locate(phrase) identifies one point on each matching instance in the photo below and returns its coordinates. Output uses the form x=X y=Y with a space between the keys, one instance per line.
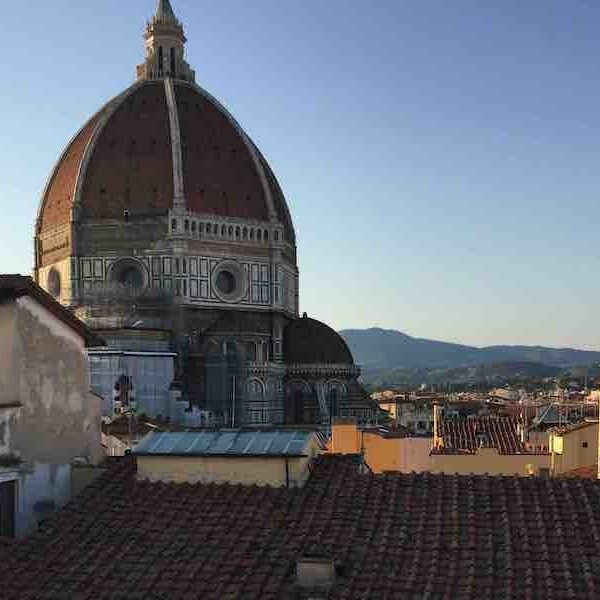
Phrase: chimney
x=437 y=426
x=315 y=573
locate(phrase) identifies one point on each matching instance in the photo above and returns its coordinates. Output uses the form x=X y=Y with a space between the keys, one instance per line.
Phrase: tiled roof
x=122 y=160
x=469 y=434
x=392 y=536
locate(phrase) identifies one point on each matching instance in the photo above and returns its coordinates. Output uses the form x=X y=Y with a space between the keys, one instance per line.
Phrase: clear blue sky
x=441 y=159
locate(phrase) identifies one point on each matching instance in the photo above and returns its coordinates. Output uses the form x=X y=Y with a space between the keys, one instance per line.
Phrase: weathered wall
x=59 y=418
x=245 y=471
x=9 y=383
x=488 y=461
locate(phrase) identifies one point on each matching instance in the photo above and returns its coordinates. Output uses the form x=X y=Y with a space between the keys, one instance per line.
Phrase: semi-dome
x=156 y=137
x=308 y=341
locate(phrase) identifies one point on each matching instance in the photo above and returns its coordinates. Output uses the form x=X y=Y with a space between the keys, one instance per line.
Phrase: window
x=54 y=282
x=584 y=444
x=174 y=224
x=8 y=501
x=173 y=62
x=161 y=58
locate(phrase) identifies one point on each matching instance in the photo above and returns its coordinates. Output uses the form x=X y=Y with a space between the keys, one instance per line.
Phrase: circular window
x=226 y=282
x=131 y=277
x=229 y=282
x=54 y=283
x=129 y=273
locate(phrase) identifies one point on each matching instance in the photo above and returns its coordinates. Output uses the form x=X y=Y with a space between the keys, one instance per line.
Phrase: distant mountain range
x=388 y=349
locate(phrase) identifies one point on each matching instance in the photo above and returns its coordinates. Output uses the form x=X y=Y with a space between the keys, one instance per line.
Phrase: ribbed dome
x=123 y=159
x=308 y=341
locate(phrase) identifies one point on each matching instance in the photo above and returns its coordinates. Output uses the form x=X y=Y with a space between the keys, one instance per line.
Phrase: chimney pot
x=315 y=572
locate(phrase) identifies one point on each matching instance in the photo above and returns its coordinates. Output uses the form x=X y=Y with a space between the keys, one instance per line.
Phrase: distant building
x=384 y=448
x=491 y=444
x=48 y=416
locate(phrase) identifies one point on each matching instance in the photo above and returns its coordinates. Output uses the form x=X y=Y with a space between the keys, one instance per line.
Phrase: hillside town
x=172 y=426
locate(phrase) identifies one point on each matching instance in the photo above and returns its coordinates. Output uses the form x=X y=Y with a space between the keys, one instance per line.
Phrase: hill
x=389 y=349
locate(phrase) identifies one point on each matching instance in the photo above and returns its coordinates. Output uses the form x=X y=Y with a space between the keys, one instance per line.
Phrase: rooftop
x=225 y=443
x=451 y=537
x=468 y=435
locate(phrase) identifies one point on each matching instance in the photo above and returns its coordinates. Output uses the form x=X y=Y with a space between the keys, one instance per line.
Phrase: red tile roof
x=469 y=434
x=392 y=536
x=122 y=160
x=587 y=472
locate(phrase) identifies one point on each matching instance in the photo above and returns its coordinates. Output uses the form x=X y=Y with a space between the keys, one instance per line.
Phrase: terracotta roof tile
x=392 y=536
x=470 y=433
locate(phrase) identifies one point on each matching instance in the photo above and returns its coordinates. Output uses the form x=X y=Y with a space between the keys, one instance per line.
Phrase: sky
x=440 y=158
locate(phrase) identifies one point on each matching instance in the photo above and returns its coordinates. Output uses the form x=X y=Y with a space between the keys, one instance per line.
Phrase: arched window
x=216 y=229
x=161 y=61
x=335 y=396
x=277 y=236
x=173 y=62
x=193 y=226
x=266 y=235
x=244 y=234
x=230 y=232
x=223 y=230
x=259 y=235
x=251 y=234
x=237 y=233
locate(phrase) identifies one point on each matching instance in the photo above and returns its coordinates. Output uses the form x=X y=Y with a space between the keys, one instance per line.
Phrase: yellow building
x=575 y=450
x=478 y=445
x=273 y=458
x=383 y=449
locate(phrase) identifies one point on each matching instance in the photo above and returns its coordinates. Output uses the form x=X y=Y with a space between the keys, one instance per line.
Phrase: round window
x=131 y=277
x=226 y=282
x=54 y=283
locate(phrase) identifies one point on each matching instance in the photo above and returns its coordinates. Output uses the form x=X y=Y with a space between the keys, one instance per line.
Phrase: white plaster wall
x=55 y=326
x=59 y=419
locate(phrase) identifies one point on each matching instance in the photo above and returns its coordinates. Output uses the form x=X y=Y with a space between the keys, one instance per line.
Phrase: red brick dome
x=132 y=154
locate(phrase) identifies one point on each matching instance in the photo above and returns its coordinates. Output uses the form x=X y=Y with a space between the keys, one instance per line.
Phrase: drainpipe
x=287 y=472
x=599 y=436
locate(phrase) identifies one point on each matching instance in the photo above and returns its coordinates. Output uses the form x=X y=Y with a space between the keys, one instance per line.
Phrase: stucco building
x=163 y=227
x=48 y=416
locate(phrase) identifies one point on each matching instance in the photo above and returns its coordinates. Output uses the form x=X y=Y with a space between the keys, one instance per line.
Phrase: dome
x=159 y=142
x=308 y=341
